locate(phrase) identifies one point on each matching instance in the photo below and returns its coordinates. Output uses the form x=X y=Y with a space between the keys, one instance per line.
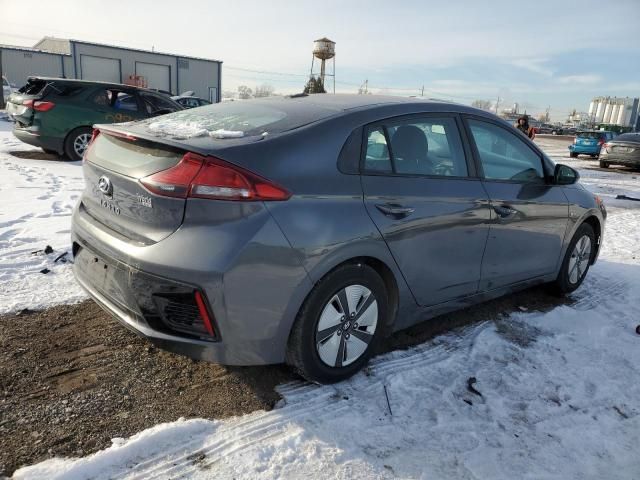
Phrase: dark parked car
x=57 y=114
x=307 y=228
x=622 y=150
x=589 y=143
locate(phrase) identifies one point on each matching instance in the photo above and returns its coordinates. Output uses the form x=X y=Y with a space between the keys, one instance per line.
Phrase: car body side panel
x=251 y=298
x=582 y=206
x=527 y=243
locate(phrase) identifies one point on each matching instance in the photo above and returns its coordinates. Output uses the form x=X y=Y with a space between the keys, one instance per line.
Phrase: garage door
x=99 y=68
x=157 y=76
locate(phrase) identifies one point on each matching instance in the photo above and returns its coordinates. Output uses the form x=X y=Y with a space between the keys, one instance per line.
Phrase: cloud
x=535 y=65
x=588 y=79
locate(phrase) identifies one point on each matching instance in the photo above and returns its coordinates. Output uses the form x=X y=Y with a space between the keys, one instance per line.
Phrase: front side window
x=154 y=103
x=422 y=146
x=503 y=155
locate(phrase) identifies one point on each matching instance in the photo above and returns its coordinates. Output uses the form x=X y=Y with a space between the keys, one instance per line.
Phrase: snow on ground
x=560 y=391
x=36 y=201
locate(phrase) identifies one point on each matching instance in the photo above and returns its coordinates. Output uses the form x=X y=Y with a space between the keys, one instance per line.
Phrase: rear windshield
x=57 y=88
x=235 y=120
x=131 y=158
x=628 y=137
x=33 y=87
x=590 y=135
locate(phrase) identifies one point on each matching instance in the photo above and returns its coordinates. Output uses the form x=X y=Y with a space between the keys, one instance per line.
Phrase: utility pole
x=497 y=103
x=422 y=91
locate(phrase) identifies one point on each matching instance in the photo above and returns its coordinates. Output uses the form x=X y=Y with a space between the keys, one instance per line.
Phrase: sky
x=541 y=54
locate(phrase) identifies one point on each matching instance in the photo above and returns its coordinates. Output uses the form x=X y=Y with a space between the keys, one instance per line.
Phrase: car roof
x=90 y=82
x=344 y=103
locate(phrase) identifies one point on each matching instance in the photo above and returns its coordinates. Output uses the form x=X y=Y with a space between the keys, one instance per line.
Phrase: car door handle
x=395 y=210
x=504 y=211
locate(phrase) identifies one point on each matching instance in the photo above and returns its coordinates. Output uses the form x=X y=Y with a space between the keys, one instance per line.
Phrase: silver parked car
x=622 y=150
x=305 y=229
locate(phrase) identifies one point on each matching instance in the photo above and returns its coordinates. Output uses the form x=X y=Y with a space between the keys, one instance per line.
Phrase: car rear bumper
x=251 y=323
x=630 y=160
x=586 y=150
x=32 y=137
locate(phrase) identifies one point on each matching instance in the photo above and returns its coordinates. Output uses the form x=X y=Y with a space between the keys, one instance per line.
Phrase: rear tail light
x=43 y=106
x=94 y=135
x=196 y=176
x=601 y=141
x=39 y=105
x=204 y=313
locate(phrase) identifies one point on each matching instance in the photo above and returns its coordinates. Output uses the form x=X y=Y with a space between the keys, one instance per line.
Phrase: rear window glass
x=629 y=137
x=590 y=135
x=235 y=120
x=33 y=87
x=133 y=159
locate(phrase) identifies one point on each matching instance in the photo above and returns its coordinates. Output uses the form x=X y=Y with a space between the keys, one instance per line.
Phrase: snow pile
x=177 y=128
x=221 y=133
x=37 y=198
x=557 y=397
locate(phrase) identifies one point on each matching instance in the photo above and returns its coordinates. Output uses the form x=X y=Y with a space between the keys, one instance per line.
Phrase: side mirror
x=565 y=175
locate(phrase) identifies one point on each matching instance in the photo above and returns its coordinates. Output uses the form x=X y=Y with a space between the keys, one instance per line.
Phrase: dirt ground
x=72 y=378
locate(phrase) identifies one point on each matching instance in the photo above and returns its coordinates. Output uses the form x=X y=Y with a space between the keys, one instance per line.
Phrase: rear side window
x=503 y=155
x=377 y=158
x=116 y=100
x=422 y=146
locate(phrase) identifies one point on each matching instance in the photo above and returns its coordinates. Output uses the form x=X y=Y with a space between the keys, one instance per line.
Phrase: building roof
x=71 y=41
x=31 y=49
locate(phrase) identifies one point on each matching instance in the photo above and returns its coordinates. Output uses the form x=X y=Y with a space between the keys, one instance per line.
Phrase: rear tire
x=573 y=155
x=604 y=164
x=328 y=342
x=77 y=142
x=577 y=260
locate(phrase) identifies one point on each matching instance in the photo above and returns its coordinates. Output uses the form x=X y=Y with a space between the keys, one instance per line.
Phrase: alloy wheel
x=579 y=261
x=346 y=326
x=81 y=143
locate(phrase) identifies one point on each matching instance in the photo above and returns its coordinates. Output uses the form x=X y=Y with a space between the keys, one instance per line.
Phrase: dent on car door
x=420 y=192
x=529 y=214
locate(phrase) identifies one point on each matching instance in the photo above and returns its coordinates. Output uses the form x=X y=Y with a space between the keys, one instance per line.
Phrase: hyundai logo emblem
x=104 y=185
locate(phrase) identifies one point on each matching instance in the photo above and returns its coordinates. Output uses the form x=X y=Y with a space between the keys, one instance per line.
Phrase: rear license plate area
x=104 y=275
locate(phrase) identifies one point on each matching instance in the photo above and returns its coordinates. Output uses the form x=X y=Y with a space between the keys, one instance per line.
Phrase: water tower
x=324 y=49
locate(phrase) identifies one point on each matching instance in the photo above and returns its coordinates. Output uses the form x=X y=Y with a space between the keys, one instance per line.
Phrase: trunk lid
x=114 y=196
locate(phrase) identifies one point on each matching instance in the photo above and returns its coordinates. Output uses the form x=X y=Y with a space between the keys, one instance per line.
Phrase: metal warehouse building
x=57 y=57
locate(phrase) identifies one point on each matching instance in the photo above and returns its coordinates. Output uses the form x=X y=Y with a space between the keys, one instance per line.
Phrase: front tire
x=77 y=142
x=340 y=325
x=576 y=261
x=604 y=164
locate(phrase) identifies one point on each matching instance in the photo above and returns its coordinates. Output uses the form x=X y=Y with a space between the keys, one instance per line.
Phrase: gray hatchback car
x=305 y=229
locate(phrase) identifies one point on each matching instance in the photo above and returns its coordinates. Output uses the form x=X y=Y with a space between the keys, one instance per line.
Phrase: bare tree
x=244 y=92
x=264 y=90
x=482 y=104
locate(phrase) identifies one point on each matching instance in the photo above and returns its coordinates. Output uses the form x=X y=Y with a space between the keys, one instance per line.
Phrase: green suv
x=57 y=114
